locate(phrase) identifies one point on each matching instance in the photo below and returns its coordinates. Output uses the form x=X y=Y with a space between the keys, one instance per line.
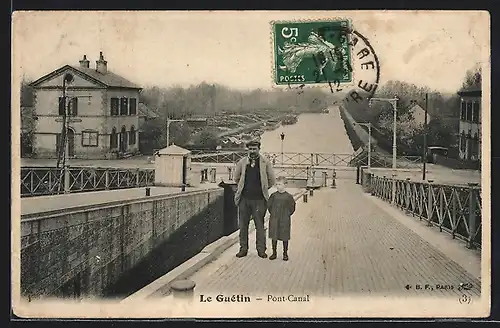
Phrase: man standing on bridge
x=254 y=176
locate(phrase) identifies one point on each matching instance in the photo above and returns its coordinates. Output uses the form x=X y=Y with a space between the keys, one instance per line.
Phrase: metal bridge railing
x=311 y=159
x=38 y=181
x=293 y=172
x=385 y=161
x=452 y=208
x=218 y=157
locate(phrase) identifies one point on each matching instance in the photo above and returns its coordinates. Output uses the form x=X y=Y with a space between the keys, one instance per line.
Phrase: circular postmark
x=366 y=71
x=326 y=53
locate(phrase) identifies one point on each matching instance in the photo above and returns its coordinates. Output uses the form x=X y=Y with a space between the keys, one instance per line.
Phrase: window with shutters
x=90 y=138
x=124 y=106
x=463 y=110
x=475 y=112
x=133 y=106
x=61 y=106
x=469 y=111
x=114 y=106
x=132 y=134
x=73 y=106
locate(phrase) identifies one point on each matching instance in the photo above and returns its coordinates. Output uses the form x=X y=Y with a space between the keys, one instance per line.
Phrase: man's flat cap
x=253 y=143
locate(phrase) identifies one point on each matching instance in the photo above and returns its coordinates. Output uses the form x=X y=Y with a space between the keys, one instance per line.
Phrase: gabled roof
x=173 y=150
x=109 y=79
x=416 y=107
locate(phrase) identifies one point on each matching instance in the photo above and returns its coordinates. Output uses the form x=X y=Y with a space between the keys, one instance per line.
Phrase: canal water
x=313 y=133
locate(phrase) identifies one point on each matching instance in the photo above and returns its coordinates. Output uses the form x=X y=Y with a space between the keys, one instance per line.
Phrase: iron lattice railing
x=293 y=172
x=451 y=208
x=385 y=161
x=38 y=181
x=218 y=157
x=310 y=159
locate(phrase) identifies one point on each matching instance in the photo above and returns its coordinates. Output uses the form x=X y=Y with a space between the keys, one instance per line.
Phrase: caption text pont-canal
x=239 y=298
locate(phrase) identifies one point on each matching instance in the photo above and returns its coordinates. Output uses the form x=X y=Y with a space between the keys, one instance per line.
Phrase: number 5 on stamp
x=312 y=52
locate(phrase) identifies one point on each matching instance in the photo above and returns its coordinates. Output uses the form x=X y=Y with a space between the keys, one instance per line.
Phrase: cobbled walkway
x=342 y=243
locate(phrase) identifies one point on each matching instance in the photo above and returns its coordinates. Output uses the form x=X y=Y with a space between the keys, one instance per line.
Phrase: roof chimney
x=101 y=64
x=84 y=62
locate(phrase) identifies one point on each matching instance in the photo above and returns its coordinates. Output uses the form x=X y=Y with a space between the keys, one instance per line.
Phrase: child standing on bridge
x=281 y=206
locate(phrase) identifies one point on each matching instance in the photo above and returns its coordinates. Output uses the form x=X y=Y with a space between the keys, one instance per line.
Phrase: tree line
x=212 y=99
x=443 y=110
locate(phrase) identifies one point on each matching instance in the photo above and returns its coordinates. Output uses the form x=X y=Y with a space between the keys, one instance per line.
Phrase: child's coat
x=281 y=206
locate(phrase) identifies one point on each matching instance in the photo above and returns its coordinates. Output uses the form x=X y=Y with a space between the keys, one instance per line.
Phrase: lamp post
x=424 y=151
x=68 y=78
x=282 y=136
x=168 y=129
x=369 y=125
x=394 y=104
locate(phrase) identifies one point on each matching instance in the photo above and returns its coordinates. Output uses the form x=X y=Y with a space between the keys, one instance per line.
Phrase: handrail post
x=213 y=175
x=472 y=216
x=384 y=188
x=406 y=198
x=96 y=181
x=373 y=185
x=453 y=214
x=441 y=212
x=106 y=179
x=430 y=203
x=66 y=179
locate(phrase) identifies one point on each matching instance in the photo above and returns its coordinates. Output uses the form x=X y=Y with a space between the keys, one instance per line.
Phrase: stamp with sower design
x=312 y=52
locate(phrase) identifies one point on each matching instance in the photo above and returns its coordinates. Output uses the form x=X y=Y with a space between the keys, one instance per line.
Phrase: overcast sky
x=234 y=48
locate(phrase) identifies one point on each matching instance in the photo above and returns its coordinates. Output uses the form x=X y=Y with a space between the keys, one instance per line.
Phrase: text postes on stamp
x=312 y=52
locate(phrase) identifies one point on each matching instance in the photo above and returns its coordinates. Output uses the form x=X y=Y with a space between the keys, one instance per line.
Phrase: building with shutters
x=470 y=124
x=103 y=112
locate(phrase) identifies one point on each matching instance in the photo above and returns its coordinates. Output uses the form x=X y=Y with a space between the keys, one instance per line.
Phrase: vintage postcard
x=245 y=164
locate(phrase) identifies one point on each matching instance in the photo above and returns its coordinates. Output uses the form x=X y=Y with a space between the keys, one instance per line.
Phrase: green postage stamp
x=312 y=52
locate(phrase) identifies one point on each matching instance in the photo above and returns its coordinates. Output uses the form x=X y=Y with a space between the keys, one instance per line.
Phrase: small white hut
x=172 y=166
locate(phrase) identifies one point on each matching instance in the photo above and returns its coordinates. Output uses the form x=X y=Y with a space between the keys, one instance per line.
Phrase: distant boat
x=326 y=111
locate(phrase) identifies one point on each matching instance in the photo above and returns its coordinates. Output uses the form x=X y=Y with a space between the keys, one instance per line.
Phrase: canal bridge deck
x=339 y=247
